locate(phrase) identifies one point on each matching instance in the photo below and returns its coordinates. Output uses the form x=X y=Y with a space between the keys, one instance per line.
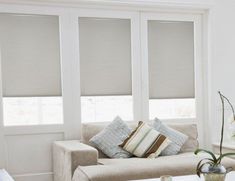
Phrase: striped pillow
x=145 y=142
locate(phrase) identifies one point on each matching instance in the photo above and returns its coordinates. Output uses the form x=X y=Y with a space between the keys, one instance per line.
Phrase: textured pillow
x=177 y=138
x=145 y=141
x=110 y=137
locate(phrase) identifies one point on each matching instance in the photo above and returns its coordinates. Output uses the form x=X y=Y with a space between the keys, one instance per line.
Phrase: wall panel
x=29 y=154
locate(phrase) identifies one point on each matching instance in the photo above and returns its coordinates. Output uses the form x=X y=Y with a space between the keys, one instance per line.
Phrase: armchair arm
x=68 y=155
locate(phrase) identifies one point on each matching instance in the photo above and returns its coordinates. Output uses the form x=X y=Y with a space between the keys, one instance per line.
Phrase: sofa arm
x=68 y=155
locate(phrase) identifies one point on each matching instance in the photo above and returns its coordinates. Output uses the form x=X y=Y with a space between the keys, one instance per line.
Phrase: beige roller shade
x=105 y=56
x=171 y=59
x=30 y=55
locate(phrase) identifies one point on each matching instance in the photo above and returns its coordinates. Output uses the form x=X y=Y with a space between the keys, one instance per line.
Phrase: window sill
x=33 y=129
x=226 y=145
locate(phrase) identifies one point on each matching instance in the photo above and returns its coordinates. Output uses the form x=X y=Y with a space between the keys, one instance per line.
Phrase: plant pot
x=214 y=176
x=214 y=172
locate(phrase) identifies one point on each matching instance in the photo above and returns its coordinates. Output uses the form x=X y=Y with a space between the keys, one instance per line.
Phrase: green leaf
x=200 y=165
x=206 y=151
x=199 y=169
x=224 y=155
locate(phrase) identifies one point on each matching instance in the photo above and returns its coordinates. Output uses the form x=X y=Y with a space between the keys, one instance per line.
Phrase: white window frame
x=135 y=49
x=198 y=65
x=69 y=68
x=70 y=71
x=69 y=45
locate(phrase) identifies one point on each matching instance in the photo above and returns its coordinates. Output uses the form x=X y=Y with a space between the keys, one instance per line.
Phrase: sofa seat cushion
x=148 y=161
x=141 y=168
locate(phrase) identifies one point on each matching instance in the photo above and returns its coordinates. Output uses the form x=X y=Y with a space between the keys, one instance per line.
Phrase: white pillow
x=177 y=138
x=110 y=137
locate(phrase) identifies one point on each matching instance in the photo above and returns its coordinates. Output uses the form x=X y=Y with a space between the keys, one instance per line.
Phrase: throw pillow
x=110 y=137
x=145 y=141
x=177 y=138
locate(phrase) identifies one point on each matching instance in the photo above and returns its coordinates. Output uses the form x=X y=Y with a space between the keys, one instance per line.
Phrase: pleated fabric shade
x=105 y=56
x=30 y=55
x=171 y=59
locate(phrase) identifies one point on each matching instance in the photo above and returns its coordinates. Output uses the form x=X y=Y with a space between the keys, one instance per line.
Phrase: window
x=171 y=69
x=104 y=108
x=32 y=110
x=171 y=108
x=31 y=80
x=105 y=56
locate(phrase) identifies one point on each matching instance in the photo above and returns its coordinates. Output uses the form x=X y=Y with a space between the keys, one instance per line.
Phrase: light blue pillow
x=177 y=138
x=109 y=139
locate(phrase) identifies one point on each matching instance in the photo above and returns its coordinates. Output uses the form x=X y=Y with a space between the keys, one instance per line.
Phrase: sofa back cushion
x=91 y=129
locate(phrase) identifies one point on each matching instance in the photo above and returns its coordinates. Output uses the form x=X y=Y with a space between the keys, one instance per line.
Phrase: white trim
x=28 y=175
x=1 y=92
x=70 y=75
x=170 y=16
x=180 y=121
x=208 y=46
x=32 y=174
x=140 y=5
x=103 y=13
x=27 y=9
x=29 y=130
x=144 y=58
x=136 y=67
x=199 y=78
x=3 y=157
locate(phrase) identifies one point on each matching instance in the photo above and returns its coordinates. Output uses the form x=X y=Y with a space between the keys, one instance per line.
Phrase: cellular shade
x=171 y=59
x=105 y=56
x=30 y=55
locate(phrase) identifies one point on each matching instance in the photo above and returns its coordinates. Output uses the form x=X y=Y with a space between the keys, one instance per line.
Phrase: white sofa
x=80 y=161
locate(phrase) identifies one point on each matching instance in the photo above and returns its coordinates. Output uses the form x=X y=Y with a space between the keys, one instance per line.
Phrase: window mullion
x=144 y=65
x=136 y=67
x=70 y=75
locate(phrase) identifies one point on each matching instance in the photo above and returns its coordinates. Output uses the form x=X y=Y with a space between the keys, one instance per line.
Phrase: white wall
x=222 y=59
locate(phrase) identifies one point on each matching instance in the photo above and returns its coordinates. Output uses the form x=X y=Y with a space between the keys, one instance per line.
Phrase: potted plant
x=211 y=167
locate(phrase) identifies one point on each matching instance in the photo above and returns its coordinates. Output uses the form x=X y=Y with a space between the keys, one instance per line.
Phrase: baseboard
x=34 y=177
